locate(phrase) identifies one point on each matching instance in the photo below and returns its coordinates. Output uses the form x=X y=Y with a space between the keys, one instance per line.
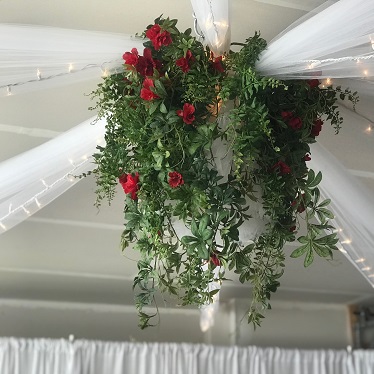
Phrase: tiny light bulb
x=369 y=129
x=360 y=260
x=8 y=91
x=70 y=68
x=39 y=74
x=348 y=241
x=366 y=72
x=328 y=81
x=367 y=268
x=25 y=210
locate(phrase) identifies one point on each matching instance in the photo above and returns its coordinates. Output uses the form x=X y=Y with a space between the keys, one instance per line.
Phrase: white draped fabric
x=21 y=356
x=33 y=179
x=333 y=41
x=213 y=21
x=34 y=57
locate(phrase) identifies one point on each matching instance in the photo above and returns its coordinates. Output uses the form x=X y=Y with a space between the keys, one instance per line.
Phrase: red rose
x=307 y=157
x=317 y=127
x=146 y=93
x=217 y=64
x=287 y=115
x=146 y=64
x=187 y=114
x=184 y=62
x=313 y=83
x=295 y=123
x=175 y=179
x=215 y=259
x=158 y=37
x=129 y=184
x=282 y=167
x=131 y=58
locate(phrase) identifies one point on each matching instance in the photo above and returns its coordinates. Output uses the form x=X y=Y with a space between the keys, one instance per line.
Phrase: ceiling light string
x=35 y=199
x=70 y=70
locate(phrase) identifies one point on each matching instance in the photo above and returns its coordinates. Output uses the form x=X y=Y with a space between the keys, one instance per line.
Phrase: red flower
x=175 y=179
x=282 y=167
x=187 y=114
x=131 y=58
x=158 y=37
x=215 y=259
x=307 y=157
x=184 y=62
x=130 y=184
x=313 y=83
x=146 y=64
x=317 y=127
x=217 y=64
x=292 y=228
x=146 y=93
x=287 y=115
x=295 y=123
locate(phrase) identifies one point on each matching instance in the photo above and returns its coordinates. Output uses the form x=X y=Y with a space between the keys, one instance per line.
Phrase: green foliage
x=268 y=154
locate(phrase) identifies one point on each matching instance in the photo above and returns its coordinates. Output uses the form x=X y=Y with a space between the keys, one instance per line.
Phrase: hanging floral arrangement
x=174 y=115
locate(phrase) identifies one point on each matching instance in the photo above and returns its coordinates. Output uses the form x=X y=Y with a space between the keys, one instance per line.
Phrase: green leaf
x=309 y=258
x=300 y=251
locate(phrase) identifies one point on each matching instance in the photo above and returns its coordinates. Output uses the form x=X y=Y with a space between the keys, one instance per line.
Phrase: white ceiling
x=69 y=251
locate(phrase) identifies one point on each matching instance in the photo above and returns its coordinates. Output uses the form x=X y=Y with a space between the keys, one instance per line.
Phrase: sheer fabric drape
x=43 y=356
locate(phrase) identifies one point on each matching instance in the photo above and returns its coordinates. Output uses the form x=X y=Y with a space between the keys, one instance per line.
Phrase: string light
x=369 y=129
x=328 y=81
x=360 y=260
x=70 y=70
x=367 y=268
x=68 y=176
x=348 y=241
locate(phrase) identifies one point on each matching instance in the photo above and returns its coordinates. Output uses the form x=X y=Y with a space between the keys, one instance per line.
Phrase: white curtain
x=43 y=356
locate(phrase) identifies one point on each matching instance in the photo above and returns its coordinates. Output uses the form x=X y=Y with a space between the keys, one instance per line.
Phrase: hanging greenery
x=167 y=113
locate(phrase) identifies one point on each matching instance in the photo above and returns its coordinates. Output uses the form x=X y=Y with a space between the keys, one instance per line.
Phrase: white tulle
x=331 y=42
x=213 y=21
x=34 y=57
x=33 y=179
x=353 y=207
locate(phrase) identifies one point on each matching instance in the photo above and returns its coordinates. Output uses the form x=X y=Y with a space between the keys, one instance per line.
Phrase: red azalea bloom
x=187 y=114
x=215 y=260
x=282 y=167
x=131 y=58
x=175 y=179
x=313 y=83
x=295 y=123
x=217 y=64
x=146 y=93
x=158 y=37
x=146 y=64
x=184 y=62
x=307 y=157
x=130 y=184
x=317 y=127
x=287 y=115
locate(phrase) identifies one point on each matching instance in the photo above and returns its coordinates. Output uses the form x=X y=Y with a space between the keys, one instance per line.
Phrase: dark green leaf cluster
x=185 y=228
